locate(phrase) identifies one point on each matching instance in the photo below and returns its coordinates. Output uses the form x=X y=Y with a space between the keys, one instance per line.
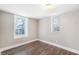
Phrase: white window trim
x=26 y=28
x=51 y=24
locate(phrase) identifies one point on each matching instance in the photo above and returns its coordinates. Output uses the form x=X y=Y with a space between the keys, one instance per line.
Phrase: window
x=55 y=22
x=21 y=26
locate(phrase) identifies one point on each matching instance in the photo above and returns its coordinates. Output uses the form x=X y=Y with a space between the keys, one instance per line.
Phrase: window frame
x=25 y=27
x=55 y=19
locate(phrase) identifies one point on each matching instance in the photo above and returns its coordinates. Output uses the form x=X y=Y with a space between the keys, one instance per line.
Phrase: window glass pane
x=20 y=25
x=56 y=24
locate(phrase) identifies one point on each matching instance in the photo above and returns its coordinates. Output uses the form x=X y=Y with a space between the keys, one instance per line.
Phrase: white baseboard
x=60 y=46
x=17 y=45
x=57 y=45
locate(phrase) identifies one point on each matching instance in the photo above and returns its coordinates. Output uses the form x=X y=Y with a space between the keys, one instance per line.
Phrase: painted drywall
x=7 y=30
x=68 y=35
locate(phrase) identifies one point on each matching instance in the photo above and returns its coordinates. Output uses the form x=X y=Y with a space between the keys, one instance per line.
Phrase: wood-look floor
x=37 y=48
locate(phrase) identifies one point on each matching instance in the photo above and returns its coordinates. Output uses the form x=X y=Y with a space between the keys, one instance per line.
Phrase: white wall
x=68 y=35
x=7 y=30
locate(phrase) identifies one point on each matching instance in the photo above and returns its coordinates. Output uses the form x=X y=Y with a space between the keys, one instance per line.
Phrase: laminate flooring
x=37 y=48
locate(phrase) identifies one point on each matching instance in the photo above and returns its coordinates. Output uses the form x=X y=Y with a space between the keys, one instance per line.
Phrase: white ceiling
x=37 y=10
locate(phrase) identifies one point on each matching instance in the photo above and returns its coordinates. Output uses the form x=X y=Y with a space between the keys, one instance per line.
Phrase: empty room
x=39 y=29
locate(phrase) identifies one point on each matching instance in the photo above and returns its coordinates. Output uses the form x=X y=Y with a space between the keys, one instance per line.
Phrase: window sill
x=20 y=36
